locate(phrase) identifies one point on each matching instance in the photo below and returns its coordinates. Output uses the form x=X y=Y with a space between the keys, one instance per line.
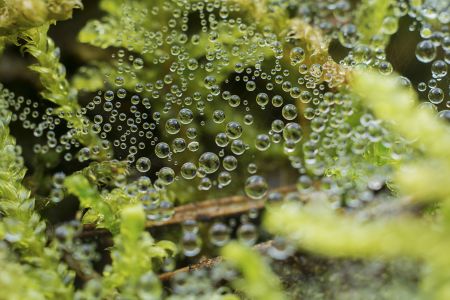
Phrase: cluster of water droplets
x=210 y=100
x=433 y=49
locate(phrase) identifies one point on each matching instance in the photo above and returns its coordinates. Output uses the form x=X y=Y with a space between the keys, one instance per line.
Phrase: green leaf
x=89 y=197
x=258 y=281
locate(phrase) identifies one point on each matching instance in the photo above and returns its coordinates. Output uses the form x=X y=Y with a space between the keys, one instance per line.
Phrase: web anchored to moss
x=294 y=117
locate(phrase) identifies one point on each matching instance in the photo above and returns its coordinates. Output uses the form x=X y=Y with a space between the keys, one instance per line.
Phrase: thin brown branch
x=89 y=230
x=208 y=263
x=211 y=209
x=201 y=211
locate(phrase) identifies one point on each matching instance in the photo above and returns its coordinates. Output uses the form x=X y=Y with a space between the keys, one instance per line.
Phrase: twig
x=202 y=211
x=89 y=230
x=211 y=209
x=208 y=263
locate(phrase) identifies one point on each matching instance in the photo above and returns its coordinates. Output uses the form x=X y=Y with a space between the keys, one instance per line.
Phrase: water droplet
x=256 y=187
x=143 y=164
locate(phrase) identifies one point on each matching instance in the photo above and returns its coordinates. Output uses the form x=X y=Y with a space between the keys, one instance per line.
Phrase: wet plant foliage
x=225 y=149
